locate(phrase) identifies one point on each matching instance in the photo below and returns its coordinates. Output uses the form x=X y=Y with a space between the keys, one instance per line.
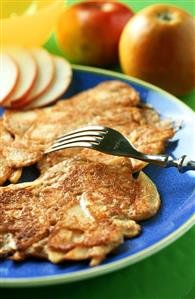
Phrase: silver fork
x=110 y=141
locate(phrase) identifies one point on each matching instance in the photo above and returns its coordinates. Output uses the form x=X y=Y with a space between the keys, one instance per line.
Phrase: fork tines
x=90 y=129
x=83 y=137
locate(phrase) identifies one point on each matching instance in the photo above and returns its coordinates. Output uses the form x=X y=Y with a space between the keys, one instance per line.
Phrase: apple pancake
x=113 y=103
x=5 y=140
x=76 y=210
x=7 y=172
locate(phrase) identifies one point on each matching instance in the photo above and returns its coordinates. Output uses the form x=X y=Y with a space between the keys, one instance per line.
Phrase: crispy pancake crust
x=5 y=141
x=85 y=202
x=113 y=104
x=76 y=210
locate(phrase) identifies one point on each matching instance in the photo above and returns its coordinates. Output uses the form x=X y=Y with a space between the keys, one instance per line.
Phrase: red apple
x=89 y=32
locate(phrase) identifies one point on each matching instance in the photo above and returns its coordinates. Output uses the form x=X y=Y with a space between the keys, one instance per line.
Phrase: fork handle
x=183 y=163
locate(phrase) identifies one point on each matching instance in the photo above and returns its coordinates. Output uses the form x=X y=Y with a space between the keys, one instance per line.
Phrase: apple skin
x=89 y=32
x=158 y=45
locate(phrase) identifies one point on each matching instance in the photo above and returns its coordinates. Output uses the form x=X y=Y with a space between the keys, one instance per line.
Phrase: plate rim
x=124 y=262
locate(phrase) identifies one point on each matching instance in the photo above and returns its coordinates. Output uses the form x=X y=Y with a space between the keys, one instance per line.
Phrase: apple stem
x=164 y=16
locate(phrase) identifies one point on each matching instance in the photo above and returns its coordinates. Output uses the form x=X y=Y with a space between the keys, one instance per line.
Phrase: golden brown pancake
x=85 y=203
x=112 y=103
x=5 y=141
x=76 y=210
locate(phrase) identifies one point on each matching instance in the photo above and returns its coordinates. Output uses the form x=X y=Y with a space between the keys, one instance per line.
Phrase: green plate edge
x=104 y=269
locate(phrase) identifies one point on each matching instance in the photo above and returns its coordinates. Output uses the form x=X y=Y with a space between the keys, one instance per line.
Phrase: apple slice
x=8 y=76
x=60 y=83
x=45 y=76
x=27 y=73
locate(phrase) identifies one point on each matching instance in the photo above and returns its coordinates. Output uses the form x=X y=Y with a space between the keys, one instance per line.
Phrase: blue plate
x=177 y=192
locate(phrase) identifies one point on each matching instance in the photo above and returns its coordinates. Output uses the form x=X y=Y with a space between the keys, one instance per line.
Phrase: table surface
x=169 y=274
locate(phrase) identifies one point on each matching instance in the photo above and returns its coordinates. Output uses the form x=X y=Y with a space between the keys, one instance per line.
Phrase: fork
x=110 y=141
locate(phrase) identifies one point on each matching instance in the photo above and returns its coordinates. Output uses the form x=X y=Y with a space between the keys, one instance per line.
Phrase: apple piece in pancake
x=15 y=176
x=18 y=122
